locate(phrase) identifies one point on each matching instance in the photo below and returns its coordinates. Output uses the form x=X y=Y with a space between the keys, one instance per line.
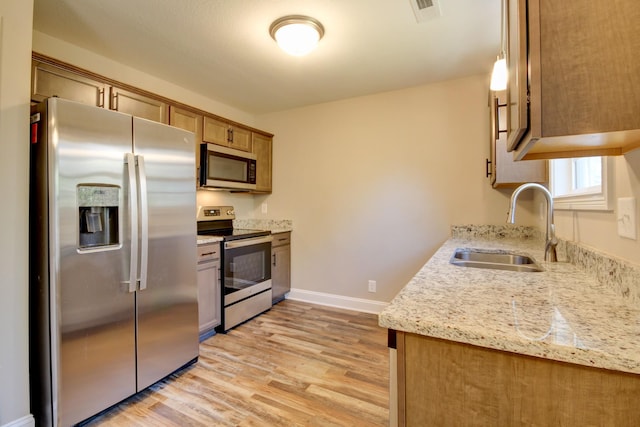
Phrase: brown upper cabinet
x=50 y=77
x=138 y=105
x=223 y=133
x=262 y=148
x=48 y=81
x=573 y=78
x=503 y=171
x=191 y=121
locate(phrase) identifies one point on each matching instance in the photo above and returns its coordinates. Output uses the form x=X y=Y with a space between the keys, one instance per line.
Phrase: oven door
x=247 y=267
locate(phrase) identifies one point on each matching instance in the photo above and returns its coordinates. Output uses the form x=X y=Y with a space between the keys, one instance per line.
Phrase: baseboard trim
x=338 y=301
x=26 y=421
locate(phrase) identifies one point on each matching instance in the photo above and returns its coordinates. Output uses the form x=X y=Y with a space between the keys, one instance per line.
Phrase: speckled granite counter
x=562 y=313
x=273 y=225
x=202 y=240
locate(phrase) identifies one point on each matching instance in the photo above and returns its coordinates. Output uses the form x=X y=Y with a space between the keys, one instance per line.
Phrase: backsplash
x=615 y=273
x=618 y=274
x=494 y=232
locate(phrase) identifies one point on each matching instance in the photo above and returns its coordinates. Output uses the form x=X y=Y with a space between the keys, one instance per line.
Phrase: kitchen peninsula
x=491 y=347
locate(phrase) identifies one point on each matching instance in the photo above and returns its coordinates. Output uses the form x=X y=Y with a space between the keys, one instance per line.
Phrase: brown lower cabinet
x=280 y=265
x=209 y=288
x=445 y=383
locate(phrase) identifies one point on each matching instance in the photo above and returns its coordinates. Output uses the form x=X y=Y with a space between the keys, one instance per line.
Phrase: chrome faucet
x=550 y=239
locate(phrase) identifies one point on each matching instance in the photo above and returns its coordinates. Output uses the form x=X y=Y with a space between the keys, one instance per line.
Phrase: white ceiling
x=222 y=48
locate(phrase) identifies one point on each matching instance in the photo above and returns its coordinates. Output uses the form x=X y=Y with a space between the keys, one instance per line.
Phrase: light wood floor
x=296 y=365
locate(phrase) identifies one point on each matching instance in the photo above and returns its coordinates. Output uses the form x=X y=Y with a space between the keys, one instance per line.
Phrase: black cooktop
x=224 y=229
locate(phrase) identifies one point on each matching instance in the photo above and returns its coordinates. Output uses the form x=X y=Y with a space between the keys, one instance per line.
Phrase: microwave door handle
x=144 y=222
x=133 y=219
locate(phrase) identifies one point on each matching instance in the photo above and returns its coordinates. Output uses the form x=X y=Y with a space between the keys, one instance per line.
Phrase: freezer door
x=91 y=312
x=167 y=301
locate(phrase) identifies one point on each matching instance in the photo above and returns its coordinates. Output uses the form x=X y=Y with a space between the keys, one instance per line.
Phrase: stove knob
x=230 y=212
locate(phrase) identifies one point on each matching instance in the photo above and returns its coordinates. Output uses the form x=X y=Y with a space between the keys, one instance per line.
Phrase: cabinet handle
x=487 y=168
x=274 y=260
x=207 y=253
x=101 y=98
x=114 y=101
x=230 y=135
x=496 y=125
x=496 y=121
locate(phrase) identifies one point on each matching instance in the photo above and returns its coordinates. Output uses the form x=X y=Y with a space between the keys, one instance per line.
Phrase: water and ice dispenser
x=98 y=216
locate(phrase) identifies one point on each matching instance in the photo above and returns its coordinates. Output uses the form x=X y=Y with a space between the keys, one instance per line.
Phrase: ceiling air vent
x=426 y=10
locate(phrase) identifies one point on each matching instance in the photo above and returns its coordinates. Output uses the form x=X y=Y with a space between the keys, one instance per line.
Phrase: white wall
x=408 y=164
x=600 y=229
x=15 y=60
x=373 y=184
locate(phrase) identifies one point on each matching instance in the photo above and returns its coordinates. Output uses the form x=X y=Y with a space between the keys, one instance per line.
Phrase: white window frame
x=599 y=200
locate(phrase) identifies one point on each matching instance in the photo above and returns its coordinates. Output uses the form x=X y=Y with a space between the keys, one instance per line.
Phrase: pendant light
x=296 y=34
x=499 y=75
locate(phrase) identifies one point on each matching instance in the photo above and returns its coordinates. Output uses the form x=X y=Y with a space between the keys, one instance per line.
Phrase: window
x=581 y=183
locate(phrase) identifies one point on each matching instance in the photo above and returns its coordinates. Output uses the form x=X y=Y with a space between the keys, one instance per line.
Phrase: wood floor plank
x=298 y=364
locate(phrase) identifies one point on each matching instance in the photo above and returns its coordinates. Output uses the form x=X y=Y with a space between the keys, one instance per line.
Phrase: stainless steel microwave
x=226 y=168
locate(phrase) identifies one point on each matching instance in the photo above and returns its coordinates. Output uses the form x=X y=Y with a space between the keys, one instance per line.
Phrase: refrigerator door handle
x=133 y=218
x=144 y=222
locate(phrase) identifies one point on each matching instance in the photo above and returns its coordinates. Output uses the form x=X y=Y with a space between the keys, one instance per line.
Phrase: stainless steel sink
x=494 y=259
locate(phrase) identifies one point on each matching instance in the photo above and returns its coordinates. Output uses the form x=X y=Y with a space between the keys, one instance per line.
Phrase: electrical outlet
x=264 y=208
x=372 y=285
x=627 y=217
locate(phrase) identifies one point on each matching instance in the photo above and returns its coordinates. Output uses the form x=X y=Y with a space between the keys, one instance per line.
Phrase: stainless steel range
x=246 y=265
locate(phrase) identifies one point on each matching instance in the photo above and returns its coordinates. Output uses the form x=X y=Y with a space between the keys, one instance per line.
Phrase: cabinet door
x=262 y=148
x=208 y=295
x=280 y=267
x=138 y=105
x=48 y=81
x=505 y=172
x=222 y=133
x=191 y=121
x=216 y=131
x=517 y=87
x=240 y=139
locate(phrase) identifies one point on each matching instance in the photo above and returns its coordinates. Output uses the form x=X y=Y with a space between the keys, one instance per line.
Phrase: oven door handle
x=247 y=242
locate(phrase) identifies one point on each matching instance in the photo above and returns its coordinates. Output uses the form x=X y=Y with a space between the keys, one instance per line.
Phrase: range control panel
x=209 y=213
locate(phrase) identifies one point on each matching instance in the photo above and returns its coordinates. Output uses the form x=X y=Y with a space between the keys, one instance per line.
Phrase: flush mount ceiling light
x=296 y=34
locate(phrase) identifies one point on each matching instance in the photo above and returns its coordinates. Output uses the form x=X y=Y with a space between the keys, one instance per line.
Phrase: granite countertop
x=273 y=225
x=562 y=313
x=203 y=240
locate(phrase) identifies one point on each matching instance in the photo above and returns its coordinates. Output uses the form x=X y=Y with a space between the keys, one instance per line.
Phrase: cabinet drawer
x=208 y=252
x=280 y=239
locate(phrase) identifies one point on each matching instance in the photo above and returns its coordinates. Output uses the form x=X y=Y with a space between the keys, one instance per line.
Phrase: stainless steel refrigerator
x=113 y=288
